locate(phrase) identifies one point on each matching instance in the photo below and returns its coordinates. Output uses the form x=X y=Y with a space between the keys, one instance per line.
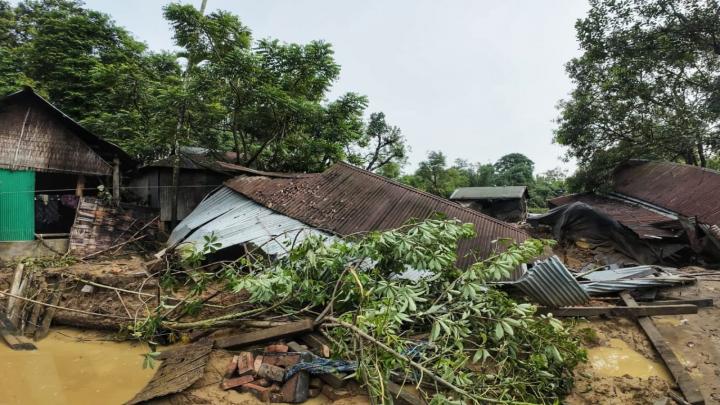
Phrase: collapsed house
x=48 y=162
x=655 y=212
x=273 y=211
x=505 y=203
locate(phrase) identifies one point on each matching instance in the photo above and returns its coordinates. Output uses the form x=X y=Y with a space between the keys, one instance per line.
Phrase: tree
x=382 y=145
x=514 y=169
x=547 y=185
x=646 y=86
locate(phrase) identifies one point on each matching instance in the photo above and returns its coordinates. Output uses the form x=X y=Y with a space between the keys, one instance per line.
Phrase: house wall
x=509 y=210
x=154 y=187
x=33 y=139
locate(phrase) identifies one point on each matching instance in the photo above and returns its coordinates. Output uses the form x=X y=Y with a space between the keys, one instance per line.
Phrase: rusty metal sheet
x=688 y=190
x=646 y=223
x=346 y=200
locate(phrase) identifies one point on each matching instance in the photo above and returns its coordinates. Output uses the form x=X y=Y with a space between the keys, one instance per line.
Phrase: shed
x=47 y=161
x=341 y=201
x=507 y=203
x=201 y=172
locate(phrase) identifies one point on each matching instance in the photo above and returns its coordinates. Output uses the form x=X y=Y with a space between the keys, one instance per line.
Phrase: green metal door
x=17 y=205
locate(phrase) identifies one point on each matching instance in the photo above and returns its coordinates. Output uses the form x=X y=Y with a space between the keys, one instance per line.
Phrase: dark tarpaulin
x=579 y=221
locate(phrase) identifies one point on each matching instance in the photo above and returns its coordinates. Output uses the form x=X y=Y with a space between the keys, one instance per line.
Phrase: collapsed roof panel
x=346 y=200
x=685 y=189
x=488 y=193
x=646 y=223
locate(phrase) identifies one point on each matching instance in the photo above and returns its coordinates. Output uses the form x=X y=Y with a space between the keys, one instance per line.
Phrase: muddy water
x=617 y=359
x=66 y=371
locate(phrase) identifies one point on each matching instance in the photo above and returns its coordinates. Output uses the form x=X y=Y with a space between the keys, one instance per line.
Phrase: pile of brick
x=264 y=374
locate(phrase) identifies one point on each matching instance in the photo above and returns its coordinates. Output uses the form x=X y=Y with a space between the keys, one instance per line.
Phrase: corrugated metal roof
x=639 y=219
x=688 y=190
x=235 y=219
x=346 y=200
x=488 y=193
x=550 y=283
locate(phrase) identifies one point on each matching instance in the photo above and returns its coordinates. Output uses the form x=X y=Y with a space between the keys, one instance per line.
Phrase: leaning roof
x=488 y=193
x=687 y=190
x=346 y=200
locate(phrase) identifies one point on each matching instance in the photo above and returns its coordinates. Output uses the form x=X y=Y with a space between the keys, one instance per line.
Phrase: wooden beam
x=257 y=336
x=12 y=337
x=687 y=385
x=80 y=185
x=116 y=181
x=698 y=302
x=621 y=311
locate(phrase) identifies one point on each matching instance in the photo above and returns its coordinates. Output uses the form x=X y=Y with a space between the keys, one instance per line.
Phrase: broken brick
x=231 y=367
x=246 y=371
x=295 y=389
x=281 y=359
x=245 y=360
x=236 y=382
x=277 y=349
x=258 y=361
x=262 y=393
x=271 y=372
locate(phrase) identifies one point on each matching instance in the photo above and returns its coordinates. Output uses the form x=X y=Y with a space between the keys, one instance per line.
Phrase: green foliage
x=646 y=86
x=515 y=169
x=480 y=340
x=263 y=99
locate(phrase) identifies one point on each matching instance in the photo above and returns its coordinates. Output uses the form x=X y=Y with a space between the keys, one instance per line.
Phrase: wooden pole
x=174 y=188
x=80 y=185
x=116 y=181
x=14 y=288
x=687 y=385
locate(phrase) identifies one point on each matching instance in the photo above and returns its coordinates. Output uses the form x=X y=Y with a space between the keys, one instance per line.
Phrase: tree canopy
x=264 y=100
x=647 y=85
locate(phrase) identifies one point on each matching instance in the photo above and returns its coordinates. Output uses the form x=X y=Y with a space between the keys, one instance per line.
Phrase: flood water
x=617 y=359
x=66 y=371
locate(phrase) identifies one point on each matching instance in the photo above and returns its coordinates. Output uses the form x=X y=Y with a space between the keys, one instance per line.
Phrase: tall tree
x=514 y=169
x=646 y=86
x=382 y=145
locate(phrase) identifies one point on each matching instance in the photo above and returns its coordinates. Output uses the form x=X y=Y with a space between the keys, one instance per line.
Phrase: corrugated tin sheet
x=488 y=193
x=687 y=190
x=346 y=200
x=550 y=283
x=17 y=205
x=631 y=278
x=644 y=222
x=235 y=219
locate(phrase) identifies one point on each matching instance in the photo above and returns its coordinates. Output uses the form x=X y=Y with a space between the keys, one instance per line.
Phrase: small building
x=507 y=203
x=47 y=162
x=201 y=172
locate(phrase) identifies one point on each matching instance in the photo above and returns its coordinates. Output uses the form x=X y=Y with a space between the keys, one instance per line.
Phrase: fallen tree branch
x=80 y=311
x=418 y=366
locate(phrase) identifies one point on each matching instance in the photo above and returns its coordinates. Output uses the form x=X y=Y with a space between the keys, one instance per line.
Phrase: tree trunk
x=701 y=154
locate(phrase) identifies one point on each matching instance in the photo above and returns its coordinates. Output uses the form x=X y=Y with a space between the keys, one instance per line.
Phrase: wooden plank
x=621 y=311
x=257 y=336
x=698 y=302
x=49 y=313
x=687 y=385
x=10 y=334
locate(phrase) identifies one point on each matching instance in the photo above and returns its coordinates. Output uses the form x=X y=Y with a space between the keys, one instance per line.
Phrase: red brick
x=258 y=362
x=231 y=367
x=295 y=389
x=277 y=349
x=245 y=360
x=236 y=382
x=246 y=371
x=262 y=393
x=281 y=359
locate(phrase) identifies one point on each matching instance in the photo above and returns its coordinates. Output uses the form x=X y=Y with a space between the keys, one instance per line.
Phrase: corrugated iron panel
x=687 y=190
x=17 y=205
x=639 y=219
x=346 y=200
x=488 y=193
x=550 y=283
x=235 y=220
x=631 y=278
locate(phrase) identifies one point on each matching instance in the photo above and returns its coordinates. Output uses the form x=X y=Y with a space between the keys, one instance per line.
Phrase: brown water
x=617 y=359
x=65 y=370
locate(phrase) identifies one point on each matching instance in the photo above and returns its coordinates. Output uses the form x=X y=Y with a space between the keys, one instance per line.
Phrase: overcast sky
x=475 y=79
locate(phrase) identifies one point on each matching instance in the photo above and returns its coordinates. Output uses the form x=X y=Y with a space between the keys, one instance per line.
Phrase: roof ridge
x=427 y=194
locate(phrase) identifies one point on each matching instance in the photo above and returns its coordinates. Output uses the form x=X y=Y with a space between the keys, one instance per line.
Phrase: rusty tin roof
x=646 y=223
x=688 y=190
x=347 y=200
